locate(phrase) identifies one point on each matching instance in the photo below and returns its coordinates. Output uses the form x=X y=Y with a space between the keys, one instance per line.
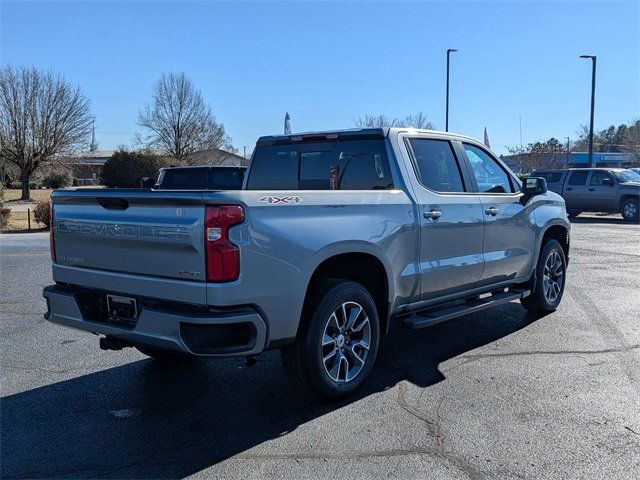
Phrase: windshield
x=624 y=176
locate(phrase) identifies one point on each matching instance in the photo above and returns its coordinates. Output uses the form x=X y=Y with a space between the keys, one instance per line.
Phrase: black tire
x=162 y=355
x=539 y=301
x=629 y=210
x=303 y=361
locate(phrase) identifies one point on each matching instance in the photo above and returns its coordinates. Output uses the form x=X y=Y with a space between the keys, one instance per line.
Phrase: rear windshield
x=550 y=177
x=202 y=179
x=344 y=165
x=185 y=179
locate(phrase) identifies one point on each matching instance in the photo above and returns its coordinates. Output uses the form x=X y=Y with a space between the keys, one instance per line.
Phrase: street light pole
x=568 y=151
x=593 y=102
x=446 y=122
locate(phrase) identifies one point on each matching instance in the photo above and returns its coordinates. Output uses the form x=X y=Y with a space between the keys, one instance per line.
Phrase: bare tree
x=631 y=141
x=418 y=121
x=178 y=121
x=43 y=119
x=538 y=155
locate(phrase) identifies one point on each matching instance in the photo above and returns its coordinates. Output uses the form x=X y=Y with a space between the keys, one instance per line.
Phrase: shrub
x=41 y=213
x=4 y=216
x=57 y=180
x=125 y=169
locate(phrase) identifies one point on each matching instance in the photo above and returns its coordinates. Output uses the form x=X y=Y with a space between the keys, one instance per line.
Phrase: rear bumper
x=207 y=333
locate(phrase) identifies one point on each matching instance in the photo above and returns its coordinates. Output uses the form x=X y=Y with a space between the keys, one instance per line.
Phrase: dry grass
x=13 y=194
x=19 y=221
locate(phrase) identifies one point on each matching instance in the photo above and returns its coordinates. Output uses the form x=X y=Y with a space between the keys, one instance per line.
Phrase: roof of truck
x=608 y=169
x=352 y=133
x=186 y=167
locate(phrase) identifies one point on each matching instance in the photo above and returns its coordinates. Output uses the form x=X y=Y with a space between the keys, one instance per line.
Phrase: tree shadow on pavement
x=146 y=420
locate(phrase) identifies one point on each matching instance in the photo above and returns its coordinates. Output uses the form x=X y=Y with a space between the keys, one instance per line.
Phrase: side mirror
x=532 y=186
x=607 y=181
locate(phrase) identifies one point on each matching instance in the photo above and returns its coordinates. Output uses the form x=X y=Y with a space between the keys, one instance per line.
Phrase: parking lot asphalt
x=501 y=393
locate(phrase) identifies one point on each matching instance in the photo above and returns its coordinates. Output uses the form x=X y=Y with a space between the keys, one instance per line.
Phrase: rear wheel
x=630 y=210
x=337 y=341
x=550 y=279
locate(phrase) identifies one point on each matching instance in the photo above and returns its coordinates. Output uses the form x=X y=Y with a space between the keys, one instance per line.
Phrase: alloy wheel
x=345 y=342
x=553 y=277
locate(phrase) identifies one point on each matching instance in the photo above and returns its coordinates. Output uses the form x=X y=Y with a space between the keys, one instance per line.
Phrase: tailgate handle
x=113 y=203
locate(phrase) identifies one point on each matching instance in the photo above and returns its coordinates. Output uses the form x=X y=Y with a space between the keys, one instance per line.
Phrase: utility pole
x=593 y=102
x=520 y=120
x=568 y=151
x=446 y=121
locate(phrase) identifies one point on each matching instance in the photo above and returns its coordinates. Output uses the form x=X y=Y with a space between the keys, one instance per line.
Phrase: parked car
x=338 y=237
x=201 y=178
x=596 y=189
x=635 y=170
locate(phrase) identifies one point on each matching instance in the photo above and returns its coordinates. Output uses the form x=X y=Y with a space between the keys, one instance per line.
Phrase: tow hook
x=113 y=343
x=250 y=361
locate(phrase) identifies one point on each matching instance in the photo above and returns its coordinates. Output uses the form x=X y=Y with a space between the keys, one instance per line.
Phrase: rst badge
x=270 y=199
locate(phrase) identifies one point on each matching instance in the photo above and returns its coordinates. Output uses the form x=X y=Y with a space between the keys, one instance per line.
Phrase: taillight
x=52 y=242
x=222 y=256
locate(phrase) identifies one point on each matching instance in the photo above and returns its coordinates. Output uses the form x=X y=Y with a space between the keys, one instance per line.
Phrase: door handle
x=433 y=214
x=493 y=211
x=568 y=188
x=591 y=189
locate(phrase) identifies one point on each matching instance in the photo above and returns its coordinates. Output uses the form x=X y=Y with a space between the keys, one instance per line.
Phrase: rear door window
x=436 y=164
x=578 y=178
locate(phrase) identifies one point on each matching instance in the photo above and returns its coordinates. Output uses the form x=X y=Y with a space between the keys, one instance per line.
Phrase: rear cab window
x=337 y=165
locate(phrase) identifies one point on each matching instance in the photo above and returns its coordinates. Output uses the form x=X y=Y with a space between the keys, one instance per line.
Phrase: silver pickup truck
x=335 y=239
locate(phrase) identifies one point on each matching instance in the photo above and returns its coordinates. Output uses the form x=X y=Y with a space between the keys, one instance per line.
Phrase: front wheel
x=630 y=210
x=550 y=279
x=337 y=341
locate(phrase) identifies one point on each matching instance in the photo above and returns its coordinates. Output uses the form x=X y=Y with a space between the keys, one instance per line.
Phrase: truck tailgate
x=131 y=231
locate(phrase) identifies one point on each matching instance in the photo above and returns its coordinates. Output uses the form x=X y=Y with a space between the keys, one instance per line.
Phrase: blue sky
x=329 y=63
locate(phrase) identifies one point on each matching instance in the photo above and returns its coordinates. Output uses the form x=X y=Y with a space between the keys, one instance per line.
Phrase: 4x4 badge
x=286 y=200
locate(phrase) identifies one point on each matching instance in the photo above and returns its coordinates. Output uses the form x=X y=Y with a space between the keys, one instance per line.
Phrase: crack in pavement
x=466 y=359
x=202 y=464
x=400 y=452
x=39 y=369
x=444 y=449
